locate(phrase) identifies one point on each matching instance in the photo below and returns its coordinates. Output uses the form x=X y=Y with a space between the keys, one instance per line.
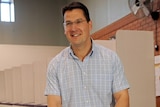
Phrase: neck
x=82 y=51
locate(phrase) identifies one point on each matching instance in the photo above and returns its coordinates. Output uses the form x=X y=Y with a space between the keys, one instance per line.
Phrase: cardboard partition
x=39 y=69
x=8 y=85
x=2 y=87
x=136 y=50
x=17 y=85
x=27 y=84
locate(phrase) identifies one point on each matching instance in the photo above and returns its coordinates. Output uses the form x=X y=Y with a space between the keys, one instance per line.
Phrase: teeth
x=75 y=35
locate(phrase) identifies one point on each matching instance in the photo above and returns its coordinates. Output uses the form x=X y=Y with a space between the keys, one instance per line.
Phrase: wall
x=130 y=22
x=38 y=22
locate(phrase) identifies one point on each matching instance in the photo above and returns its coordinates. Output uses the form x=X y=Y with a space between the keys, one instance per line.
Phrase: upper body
x=87 y=83
x=84 y=74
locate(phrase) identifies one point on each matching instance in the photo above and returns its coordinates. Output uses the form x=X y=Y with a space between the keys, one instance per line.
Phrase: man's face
x=76 y=27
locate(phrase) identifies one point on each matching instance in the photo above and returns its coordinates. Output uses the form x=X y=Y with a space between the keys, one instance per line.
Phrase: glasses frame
x=77 y=22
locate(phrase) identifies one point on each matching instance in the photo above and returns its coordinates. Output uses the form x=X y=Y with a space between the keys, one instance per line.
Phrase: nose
x=73 y=26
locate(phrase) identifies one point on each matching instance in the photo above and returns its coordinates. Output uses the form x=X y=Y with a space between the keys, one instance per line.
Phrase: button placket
x=85 y=81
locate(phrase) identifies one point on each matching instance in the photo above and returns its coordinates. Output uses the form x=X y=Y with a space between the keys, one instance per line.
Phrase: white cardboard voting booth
x=2 y=87
x=23 y=73
x=136 y=50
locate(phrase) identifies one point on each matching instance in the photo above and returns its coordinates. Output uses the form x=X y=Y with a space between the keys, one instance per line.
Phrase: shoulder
x=63 y=54
x=60 y=57
x=103 y=50
x=106 y=54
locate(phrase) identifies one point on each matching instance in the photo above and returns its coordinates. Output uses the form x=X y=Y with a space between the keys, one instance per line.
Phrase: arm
x=54 y=101
x=122 y=98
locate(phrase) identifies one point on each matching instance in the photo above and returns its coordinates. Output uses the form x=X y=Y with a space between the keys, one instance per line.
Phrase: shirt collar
x=90 y=54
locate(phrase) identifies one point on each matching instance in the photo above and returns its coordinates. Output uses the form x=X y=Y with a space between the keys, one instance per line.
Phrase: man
x=84 y=74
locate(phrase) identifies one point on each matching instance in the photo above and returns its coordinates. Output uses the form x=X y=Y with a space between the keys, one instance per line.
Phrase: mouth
x=75 y=35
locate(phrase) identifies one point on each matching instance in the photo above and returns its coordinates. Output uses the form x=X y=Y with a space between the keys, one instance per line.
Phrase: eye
x=79 y=21
x=68 y=23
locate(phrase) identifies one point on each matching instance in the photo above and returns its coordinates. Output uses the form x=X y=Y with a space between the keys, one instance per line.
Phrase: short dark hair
x=77 y=5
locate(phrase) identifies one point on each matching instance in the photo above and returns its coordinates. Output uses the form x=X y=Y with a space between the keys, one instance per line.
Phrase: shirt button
x=87 y=101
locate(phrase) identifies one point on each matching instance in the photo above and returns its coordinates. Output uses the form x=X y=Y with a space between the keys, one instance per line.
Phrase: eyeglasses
x=78 y=22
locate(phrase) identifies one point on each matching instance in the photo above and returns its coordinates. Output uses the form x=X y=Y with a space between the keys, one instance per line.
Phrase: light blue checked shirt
x=90 y=83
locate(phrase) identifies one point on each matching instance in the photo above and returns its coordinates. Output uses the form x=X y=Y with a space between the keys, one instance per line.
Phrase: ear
x=90 y=25
x=64 y=30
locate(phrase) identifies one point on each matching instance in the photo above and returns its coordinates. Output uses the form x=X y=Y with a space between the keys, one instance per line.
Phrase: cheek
x=85 y=30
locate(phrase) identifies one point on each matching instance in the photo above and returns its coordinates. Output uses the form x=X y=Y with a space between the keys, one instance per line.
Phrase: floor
x=4 y=105
x=11 y=106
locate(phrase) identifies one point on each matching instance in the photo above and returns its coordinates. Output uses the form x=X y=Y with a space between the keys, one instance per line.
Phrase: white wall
x=117 y=9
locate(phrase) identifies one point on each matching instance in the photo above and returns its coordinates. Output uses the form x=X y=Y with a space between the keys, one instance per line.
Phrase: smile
x=75 y=35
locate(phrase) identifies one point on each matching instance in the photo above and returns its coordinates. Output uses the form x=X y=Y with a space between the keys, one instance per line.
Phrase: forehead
x=74 y=14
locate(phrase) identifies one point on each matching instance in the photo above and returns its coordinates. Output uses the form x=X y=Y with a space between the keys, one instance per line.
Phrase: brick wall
x=131 y=22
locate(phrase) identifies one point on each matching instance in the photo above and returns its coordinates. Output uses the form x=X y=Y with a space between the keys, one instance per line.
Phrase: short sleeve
x=119 y=79
x=52 y=86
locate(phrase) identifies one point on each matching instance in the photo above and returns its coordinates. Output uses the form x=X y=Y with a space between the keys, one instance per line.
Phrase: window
x=7 y=11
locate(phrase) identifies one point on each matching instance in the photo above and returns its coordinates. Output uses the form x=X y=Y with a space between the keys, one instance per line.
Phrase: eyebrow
x=73 y=21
